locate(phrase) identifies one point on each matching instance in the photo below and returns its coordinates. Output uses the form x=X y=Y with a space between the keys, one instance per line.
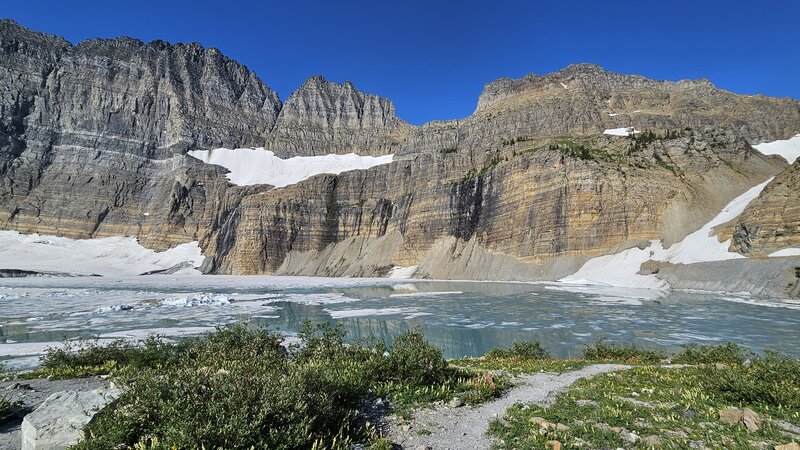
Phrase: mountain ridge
x=93 y=142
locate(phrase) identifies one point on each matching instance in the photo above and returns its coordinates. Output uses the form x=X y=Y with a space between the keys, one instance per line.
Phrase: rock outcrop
x=59 y=421
x=92 y=136
x=761 y=277
x=93 y=141
x=772 y=221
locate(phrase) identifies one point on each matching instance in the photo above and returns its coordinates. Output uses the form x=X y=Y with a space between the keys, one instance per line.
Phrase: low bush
x=601 y=350
x=520 y=350
x=414 y=362
x=729 y=353
x=8 y=409
x=94 y=357
x=772 y=380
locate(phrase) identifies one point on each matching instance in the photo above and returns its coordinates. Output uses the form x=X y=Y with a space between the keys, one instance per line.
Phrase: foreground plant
x=8 y=409
x=241 y=388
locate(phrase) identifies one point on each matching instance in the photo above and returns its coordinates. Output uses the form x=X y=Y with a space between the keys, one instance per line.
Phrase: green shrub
x=772 y=380
x=729 y=353
x=520 y=350
x=8 y=409
x=600 y=350
x=413 y=361
x=149 y=352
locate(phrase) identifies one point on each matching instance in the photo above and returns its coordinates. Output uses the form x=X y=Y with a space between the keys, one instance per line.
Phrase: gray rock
x=59 y=421
x=629 y=436
x=456 y=402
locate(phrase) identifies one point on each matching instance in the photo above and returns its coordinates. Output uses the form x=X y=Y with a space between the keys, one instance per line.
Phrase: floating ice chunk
x=426 y=294
x=197 y=300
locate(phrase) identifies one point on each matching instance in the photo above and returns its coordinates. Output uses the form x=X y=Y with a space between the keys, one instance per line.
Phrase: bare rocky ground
x=32 y=393
x=448 y=428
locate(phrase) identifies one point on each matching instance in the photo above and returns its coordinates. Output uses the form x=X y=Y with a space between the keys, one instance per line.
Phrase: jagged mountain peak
x=11 y=31
x=326 y=116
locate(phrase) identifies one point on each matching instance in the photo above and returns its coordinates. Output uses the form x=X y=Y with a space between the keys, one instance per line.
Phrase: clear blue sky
x=432 y=58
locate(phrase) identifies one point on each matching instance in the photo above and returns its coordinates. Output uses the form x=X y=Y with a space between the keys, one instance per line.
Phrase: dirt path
x=465 y=427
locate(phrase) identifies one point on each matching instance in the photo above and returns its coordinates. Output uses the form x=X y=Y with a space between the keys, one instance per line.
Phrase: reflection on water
x=463 y=318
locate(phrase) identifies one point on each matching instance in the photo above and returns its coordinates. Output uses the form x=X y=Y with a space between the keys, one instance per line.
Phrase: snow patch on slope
x=786 y=252
x=249 y=166
x=621 y=131
x=103 y=256
x=789 y=148
x=702 y=246
x=620 y=269
x=402 y=272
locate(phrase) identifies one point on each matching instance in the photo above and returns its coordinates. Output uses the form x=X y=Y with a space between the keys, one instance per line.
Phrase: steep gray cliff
x=93 y=135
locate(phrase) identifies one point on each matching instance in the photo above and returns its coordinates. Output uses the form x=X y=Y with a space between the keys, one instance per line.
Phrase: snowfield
x=621 y=131
x=249 y=166
x=789 y=148
x=117 y=255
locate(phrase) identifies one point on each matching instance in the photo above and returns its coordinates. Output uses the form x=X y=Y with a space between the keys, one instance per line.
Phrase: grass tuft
x=603 y=351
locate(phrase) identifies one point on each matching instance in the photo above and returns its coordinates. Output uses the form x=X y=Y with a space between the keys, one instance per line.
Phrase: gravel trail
x=465 y=427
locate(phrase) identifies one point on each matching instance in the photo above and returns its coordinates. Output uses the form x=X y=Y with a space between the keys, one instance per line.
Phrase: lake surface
x=463 y=318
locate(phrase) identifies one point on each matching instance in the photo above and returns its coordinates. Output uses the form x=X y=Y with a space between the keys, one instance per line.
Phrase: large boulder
x=58 y=422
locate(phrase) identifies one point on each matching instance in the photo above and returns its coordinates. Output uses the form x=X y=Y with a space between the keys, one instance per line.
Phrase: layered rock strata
x=772 y=221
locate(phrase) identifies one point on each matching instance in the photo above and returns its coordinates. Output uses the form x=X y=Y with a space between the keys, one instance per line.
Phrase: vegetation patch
x=516 y=366
x=720 y=403
x=8 y=409
x=241 y=388
x=601 y=350
x=729 y=353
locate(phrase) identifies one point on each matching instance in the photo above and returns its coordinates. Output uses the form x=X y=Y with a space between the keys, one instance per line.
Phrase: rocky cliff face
x=530 y=211
x=93 y=140
x=92 y=135
x=772 y=221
